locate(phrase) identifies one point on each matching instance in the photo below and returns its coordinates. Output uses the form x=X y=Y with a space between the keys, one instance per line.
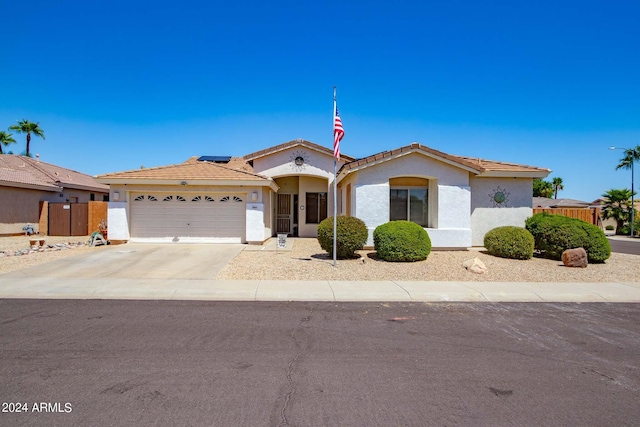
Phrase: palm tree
x=542 y=188
x=631 y=155
x=25 y=126
x=616 y=205
x=557 y=185
x=5 y=139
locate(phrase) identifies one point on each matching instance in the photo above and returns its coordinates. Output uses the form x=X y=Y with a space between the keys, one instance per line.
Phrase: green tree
x=616 y=205
x=5 y=139
x=631 y=156
x=25 y=126
x=542 y=188
x=557 y=185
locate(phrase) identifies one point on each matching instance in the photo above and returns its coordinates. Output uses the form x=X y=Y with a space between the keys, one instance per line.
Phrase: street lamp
x=633 y=160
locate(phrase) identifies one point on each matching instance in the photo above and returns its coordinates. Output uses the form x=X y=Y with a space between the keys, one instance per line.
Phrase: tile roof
x=294 y=143
x=192 y=169
x=22 y=170
x=544 y=202
x=494 y=165
x=477 y=165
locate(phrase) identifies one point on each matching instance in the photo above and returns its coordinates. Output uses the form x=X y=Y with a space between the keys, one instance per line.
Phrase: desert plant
x=5 y=139
x=401 y=241
x=27 y=127
x=509 y=242
x=616 y=204
x=553 y=234
x=351 y=235
x=625 y=230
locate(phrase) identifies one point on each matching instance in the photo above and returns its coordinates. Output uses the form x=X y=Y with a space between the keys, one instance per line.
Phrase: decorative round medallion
x=299 y=160
x=499 y=197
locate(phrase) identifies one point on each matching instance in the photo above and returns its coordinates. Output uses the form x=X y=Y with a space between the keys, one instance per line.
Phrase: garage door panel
x=183 y=220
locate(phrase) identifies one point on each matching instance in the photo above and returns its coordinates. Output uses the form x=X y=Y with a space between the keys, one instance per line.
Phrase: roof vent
x=215 y=159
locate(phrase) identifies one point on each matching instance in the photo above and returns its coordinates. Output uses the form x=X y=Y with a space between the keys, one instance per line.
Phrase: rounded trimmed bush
x=351 y=235
x=553 y=234
x=401 y=241
x=509 y=242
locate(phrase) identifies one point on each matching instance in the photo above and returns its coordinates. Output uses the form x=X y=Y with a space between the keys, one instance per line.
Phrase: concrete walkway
x=271 y=290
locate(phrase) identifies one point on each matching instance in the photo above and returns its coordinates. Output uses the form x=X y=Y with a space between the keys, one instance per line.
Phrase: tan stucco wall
x=312 y=185
x=281 y=163
x=21 y=206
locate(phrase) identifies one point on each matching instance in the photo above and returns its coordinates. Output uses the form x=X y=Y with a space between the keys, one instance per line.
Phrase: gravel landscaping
x=68 y=246
x=307 y=261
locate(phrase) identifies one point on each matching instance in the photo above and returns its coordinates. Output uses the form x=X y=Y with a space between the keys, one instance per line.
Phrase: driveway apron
x=140 y=261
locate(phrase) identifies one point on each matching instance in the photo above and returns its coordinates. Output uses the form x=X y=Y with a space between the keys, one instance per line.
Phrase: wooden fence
x=590 y=215
x=71 y=219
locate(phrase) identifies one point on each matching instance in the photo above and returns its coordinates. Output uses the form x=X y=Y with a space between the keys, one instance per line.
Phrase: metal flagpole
x=335 y=185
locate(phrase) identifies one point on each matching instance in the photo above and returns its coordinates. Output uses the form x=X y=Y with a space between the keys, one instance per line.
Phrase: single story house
x=26 y=182
x=547 y=203
x=288 y=188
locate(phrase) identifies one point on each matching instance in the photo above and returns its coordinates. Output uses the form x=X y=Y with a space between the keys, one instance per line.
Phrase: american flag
x=338 y=133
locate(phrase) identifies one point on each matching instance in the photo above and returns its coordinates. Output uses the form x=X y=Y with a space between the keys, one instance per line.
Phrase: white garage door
x=162 y=217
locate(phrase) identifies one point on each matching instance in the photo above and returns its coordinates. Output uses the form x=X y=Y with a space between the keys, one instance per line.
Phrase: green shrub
x=609 y=227
x=553 y=234
x=351 y=235
x=509 y=242
x=401 y=241
x=625 y=230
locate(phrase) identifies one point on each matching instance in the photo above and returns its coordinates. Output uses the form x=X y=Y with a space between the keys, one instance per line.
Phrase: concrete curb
x=320 y=290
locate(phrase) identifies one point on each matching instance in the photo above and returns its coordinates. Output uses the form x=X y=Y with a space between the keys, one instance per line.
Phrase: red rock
x=575 y=258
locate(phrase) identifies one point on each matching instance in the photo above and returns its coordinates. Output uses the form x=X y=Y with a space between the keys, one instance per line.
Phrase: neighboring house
x=26 y=182
x=546 y=203
x=288 y=189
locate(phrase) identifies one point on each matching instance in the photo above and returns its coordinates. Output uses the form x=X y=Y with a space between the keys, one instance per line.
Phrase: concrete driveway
x=140 y=261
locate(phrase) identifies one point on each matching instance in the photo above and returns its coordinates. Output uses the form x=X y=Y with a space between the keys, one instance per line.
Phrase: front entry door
x=283 y=214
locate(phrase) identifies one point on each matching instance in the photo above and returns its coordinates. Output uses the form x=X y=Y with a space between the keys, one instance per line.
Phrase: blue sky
x=120 y=84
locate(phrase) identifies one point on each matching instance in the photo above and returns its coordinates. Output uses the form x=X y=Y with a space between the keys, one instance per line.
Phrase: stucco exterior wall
x=267 y=200
x=449 y=197
x=312 y=185
x=118 y=220
x=343 y=193
x=21 y=206
x=255 y=226
x=486 y=215
x=413 y=164
x=281 y=163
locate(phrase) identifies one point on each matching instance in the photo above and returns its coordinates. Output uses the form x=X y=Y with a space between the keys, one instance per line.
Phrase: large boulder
x=575 y=258
x=474 y=265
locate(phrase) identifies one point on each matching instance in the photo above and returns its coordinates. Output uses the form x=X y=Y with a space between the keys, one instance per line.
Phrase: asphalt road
x=625 y=246
x=226 y=364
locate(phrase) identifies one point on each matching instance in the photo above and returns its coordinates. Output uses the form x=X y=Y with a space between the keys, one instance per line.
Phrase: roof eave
x=514 y=174
x=51 y=188
x=192 y=182
x=286 y=146
x=84 y=187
